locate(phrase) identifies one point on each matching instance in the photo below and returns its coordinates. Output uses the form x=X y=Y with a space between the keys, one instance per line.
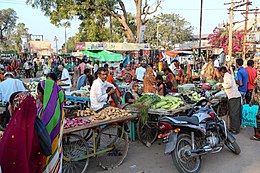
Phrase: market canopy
x=103 y=56
x=174 y=53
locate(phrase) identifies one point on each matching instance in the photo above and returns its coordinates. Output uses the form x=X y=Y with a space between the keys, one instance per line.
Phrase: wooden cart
x=109 y=145
x=147 y=131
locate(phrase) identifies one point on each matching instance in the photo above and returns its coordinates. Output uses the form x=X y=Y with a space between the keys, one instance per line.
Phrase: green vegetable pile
x=194 y=96
x=168 y=103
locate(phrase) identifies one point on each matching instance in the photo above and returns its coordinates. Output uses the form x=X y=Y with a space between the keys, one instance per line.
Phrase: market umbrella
x=90 y=54
x=104 y=56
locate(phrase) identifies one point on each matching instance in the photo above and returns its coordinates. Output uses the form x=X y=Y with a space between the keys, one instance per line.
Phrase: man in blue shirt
x=85 y=79
x=242 y=78
x=9 y=86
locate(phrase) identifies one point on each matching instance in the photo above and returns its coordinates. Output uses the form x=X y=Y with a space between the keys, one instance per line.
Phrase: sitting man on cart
x=101 y=90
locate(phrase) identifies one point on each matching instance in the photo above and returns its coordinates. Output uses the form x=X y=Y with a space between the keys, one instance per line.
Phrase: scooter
x=199 y=133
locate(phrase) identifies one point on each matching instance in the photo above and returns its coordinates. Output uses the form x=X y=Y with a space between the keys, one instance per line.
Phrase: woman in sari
x=51 y=113
x=132 y=94
x=255 y=100
x=149 y=80
x=19 y=147
x=171 y=79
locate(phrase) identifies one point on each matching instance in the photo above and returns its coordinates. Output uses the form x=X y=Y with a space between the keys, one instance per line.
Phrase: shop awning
x=104 y=56
x=173 y=53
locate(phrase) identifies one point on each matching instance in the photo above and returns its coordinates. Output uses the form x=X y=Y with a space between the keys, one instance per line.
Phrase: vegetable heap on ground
x=110 y=113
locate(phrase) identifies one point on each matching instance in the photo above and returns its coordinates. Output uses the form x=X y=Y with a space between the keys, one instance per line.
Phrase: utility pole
x=245 y=30
x=231 y=10
x=255 y=12
x=110 y=28
x=230 y=29
x=65 y=39
x=56 y=41
x=201 y=6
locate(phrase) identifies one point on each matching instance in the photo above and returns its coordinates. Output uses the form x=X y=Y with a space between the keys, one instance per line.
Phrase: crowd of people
x=241 y=86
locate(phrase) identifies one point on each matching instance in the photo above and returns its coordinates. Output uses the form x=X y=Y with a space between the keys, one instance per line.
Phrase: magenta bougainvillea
x=219 y=38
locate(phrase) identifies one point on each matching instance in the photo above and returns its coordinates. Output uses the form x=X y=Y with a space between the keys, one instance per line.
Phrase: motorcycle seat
x=192 y=120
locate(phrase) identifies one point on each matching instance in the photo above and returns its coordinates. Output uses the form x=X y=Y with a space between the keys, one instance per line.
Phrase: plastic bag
x=249 y=115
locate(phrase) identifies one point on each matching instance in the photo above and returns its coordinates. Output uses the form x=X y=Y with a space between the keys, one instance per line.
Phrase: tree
x=219 y=38
x=7 y=23
x=172 y=29
x=71 y=43
x=58 y=10
x=19 y=32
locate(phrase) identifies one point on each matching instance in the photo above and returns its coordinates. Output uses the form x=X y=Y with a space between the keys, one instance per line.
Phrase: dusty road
x=152 y=160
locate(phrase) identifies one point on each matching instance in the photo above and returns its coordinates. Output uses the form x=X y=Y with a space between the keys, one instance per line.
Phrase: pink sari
x=19 y=148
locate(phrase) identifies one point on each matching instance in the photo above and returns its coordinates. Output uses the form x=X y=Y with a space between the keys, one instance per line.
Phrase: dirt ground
x=141 y=159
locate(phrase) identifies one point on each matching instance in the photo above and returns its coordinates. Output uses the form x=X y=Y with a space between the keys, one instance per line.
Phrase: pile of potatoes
x=110 y=113
x=85 y=113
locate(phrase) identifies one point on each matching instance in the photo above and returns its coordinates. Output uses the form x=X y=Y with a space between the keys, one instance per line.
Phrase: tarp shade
x=173 y=53
x=103 y=56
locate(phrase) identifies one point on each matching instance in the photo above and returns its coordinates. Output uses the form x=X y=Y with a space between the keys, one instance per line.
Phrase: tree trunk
x=138 y=19
x=129 y=33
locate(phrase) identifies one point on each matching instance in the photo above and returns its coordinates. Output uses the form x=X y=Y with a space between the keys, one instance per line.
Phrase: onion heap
x=74 y=122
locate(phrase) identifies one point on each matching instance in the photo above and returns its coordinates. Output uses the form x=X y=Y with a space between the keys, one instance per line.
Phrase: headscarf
x=19 y=146
x=52 y=115
x=134 y=94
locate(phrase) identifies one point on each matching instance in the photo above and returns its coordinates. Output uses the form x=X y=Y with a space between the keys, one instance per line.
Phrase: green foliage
x=94 y=13
x=7 y=23
x=172 y=29
x=10 y=33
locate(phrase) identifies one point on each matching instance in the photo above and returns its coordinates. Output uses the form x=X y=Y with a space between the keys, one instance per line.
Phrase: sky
x=214 y=13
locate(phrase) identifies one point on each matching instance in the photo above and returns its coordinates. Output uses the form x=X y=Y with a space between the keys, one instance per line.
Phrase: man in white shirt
x=7 y=88
x=173 y=65
x=101 y=90
x=26 y=66
x=96 y=66
x=65 y=78
x=234 y=100
x=140 y=71
x=216 y=63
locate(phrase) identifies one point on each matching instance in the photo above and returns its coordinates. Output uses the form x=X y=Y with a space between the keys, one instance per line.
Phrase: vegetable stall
x=151 y=107
x=104 y=138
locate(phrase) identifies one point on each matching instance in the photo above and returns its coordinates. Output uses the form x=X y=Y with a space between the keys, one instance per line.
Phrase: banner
x=111 y=46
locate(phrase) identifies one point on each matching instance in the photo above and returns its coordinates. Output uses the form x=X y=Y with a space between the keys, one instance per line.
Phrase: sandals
x=254 y=138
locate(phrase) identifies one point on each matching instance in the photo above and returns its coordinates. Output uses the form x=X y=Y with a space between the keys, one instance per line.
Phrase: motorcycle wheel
x=184 y=163
x=234 y=147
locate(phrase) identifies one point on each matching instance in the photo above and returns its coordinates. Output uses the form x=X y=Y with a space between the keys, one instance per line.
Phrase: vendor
x=132 y=94
x=127 y=74
x=101 y=90
x=85 y=79
x=65 y=78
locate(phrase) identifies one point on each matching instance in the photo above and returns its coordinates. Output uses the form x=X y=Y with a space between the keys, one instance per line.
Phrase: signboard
x=80 y=46
x=111 y=46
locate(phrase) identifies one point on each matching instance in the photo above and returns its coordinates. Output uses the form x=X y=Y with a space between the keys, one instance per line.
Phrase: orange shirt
x=252 y=74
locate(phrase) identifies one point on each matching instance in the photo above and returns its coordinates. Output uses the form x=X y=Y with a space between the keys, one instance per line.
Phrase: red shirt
x=252 y=74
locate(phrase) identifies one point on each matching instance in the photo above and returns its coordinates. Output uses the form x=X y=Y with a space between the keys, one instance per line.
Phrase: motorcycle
x=190 y=137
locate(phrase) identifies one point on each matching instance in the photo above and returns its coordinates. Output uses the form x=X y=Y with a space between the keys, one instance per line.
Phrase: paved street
x=152 y=160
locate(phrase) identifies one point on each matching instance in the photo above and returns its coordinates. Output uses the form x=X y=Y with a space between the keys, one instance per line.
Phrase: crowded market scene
x=130 y=86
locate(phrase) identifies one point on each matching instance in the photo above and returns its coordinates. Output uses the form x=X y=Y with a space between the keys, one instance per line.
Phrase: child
x=161 y=89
